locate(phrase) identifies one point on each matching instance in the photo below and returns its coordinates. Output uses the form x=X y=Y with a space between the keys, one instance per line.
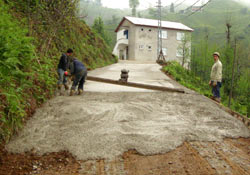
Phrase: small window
x=164 y=34
x=141 y=47
x=164 y=51
x=142 y=29
x=149 y=47
x=149 y=30
x=125 y=33
x=180 y=36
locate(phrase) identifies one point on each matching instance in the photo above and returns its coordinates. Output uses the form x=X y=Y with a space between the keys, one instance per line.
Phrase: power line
x=192 y=5
x=179 y=4
x=160 y=55
x=199 y=9
x=175 y=1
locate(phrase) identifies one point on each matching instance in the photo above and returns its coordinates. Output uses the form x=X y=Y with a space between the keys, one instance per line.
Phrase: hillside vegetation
x=33 y=36
x=90 y=11
x=188 y=79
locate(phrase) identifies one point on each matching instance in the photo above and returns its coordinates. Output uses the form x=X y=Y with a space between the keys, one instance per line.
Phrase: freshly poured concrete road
x=108 y=120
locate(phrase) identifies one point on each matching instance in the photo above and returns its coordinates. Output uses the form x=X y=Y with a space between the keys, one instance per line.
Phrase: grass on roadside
x=188 y=79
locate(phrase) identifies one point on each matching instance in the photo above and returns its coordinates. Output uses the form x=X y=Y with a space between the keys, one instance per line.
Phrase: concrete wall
x=131 y=42
x=145 y=43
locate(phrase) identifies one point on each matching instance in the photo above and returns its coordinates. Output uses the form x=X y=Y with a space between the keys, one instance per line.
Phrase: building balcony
x=121 y=44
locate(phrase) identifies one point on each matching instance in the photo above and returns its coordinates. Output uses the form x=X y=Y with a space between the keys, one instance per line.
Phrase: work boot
x=72 y=92
x=217 y=100
x=80 y=91
x=66 y=87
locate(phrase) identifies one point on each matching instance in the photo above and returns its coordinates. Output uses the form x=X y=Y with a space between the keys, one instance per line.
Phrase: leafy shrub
x=16 y=53
x=189 y=80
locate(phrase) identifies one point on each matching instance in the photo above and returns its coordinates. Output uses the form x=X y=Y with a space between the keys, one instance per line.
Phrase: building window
x=164 y=34
x=125 y=33
x=142 y=29
x=180 y=36
x=164 y=51
x=150 y=30
x=141 y=47
x=149 y=47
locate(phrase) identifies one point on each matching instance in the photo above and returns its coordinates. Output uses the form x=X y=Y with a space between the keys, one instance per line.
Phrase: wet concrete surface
x=108 y=120
x=145 y=73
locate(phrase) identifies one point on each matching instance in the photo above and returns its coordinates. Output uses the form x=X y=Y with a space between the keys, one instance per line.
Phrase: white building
x=137 y=39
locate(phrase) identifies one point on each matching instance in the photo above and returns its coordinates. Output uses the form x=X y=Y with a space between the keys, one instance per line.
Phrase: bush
x=16 y=53
x=189 y=80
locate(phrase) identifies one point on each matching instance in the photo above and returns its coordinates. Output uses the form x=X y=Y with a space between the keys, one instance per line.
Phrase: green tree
x=98 y=2
x=133 y=4
x=153 y=13
x=98 y=27
x=115 y=19
x=139 y=15
x=172 y=8
x=244 y=11
x=184 y=48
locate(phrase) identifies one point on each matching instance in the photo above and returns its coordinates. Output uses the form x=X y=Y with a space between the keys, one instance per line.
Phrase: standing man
x=79 y=71
x=62 y=67
x=216 y=77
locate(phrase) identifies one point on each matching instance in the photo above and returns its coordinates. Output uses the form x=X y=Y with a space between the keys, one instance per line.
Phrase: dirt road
x=122 y=130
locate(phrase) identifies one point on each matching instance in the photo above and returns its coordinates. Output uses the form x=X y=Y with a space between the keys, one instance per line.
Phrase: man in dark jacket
x=62 y=68
x=79 y=71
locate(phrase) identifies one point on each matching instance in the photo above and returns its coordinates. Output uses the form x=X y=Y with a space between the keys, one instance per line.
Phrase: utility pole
x=160 y=56
x=227 y=58
x=228 y=32
x=232 y=80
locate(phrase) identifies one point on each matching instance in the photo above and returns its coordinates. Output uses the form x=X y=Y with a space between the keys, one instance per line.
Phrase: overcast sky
x=152 y=3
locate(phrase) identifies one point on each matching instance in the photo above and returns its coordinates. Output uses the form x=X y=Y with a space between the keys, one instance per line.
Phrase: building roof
x=154 y=23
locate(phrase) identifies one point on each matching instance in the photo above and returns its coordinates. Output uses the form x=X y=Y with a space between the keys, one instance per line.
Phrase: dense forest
x=221 y=25
x=33 y=35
